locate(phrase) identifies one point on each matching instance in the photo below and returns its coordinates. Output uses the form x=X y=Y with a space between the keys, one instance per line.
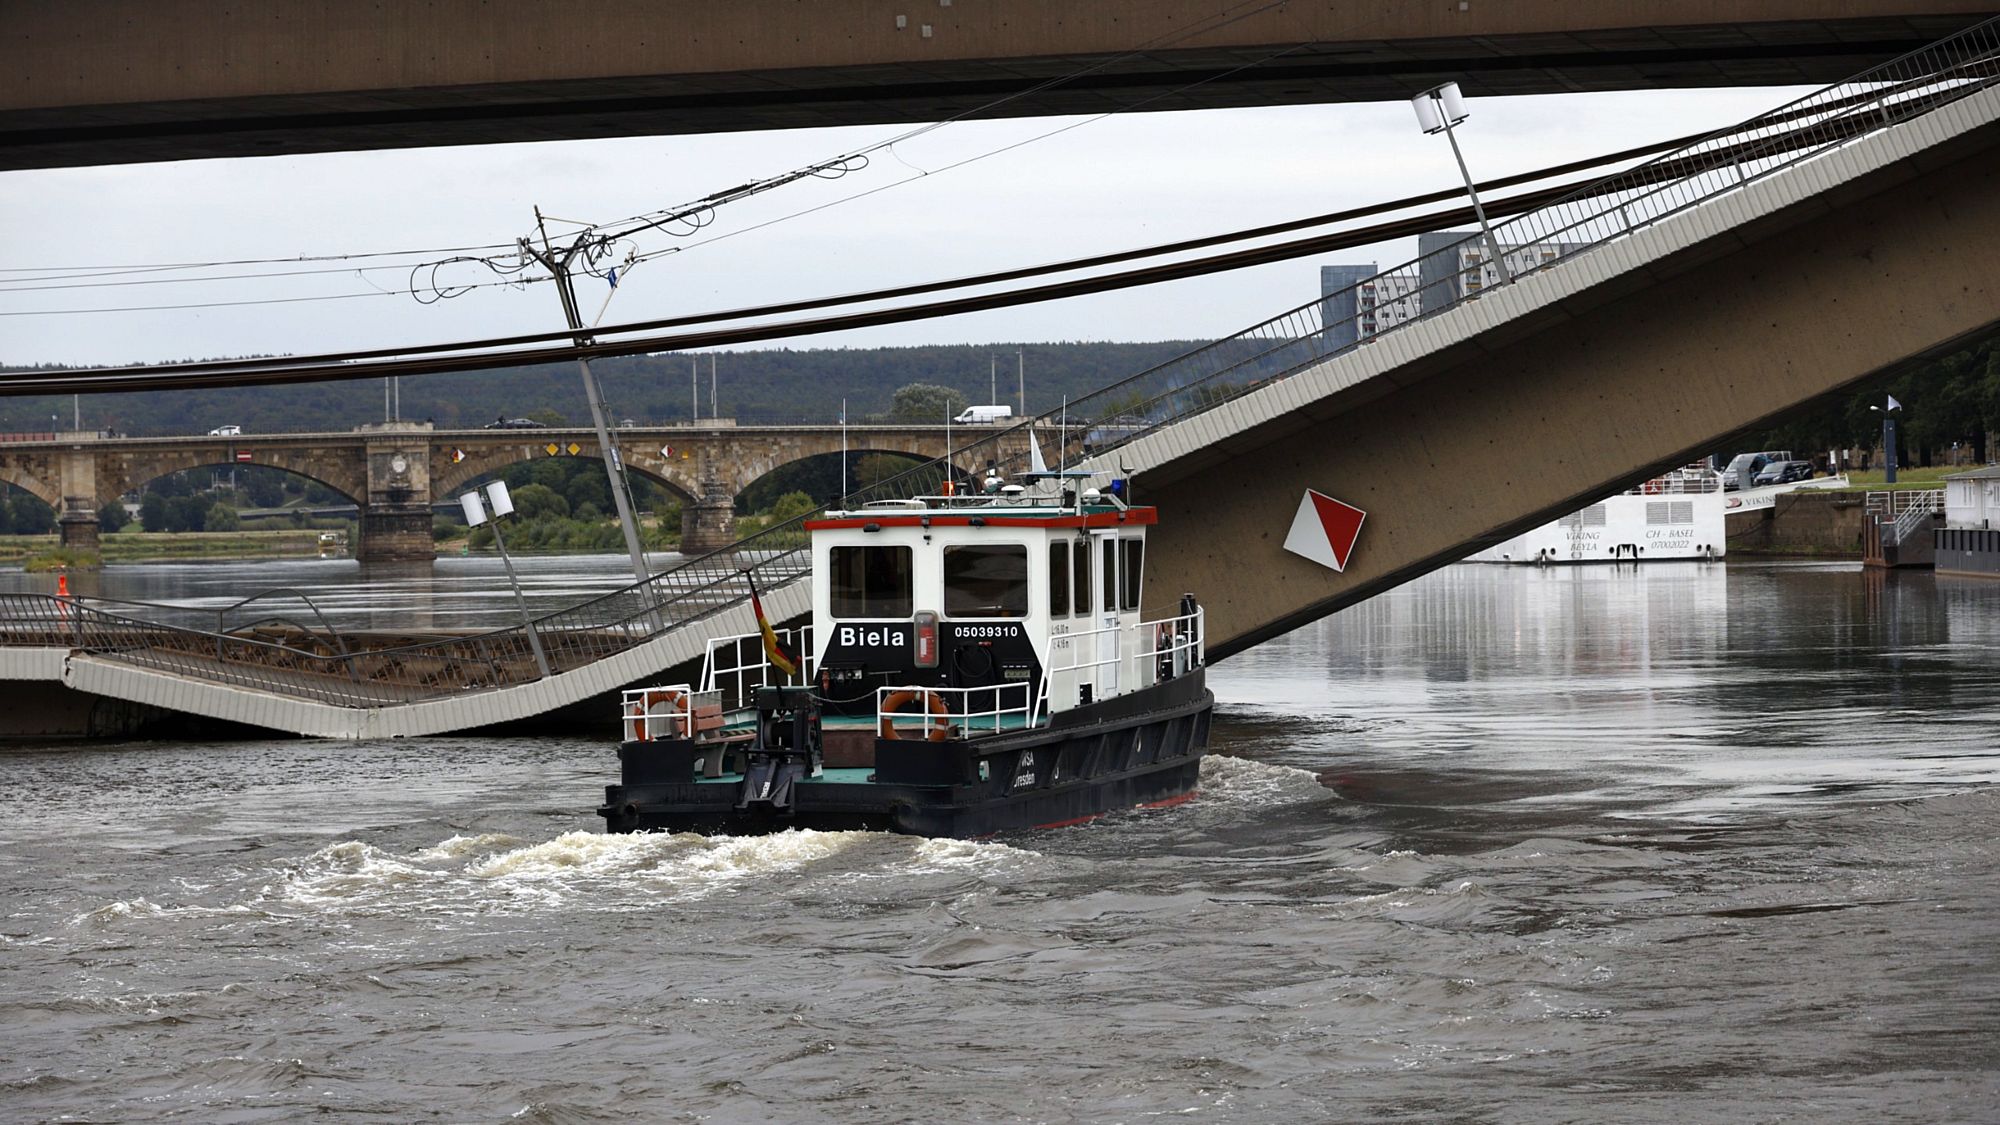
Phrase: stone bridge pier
x=76 y=514
x=708 y=522
x=395 y=523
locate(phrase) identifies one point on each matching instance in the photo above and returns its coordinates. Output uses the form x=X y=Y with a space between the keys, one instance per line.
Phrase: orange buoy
x=62 y=585
x=937 y=716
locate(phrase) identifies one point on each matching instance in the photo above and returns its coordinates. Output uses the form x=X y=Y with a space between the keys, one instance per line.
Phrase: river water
x=1674 y=843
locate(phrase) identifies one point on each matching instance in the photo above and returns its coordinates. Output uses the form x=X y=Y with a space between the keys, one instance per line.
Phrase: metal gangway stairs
x=302 y=676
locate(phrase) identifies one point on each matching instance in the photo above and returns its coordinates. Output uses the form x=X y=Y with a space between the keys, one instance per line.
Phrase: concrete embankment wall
x=1814 y=524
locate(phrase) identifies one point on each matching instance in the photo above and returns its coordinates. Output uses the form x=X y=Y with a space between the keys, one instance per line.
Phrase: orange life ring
x=936 y=730
x=673 y=700
x=1651 y=488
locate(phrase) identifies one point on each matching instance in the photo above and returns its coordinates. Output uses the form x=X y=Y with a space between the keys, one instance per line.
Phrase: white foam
x=1240 y=779
x=457 y=847
x=349 y=870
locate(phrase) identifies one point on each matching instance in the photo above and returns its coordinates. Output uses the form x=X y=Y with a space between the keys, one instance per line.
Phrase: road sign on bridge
x=1324 y=530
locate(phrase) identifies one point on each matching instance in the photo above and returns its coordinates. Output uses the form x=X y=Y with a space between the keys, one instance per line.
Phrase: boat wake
x=500 y=874
x=1241 y=781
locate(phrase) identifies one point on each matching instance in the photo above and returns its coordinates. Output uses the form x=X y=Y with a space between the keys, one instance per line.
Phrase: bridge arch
x=448 y=479
x=818 y=474
x=40 y=481
x=125 y=473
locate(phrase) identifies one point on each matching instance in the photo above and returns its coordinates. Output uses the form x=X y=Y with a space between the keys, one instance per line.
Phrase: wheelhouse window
x=1080 y=580
x=1107 y=590
x=1129 y=572
x=870 y=581
x=1059 y=578
x=986 y=580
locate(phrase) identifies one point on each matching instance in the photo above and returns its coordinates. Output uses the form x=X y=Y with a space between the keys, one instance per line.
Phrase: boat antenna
x=1062 y=447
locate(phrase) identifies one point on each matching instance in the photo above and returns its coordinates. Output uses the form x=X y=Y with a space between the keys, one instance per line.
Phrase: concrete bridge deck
x=1665 y=315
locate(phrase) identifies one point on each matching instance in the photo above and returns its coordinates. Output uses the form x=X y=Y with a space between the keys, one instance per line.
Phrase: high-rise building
x=1340 y=307
x=1448 y=276
x=1356 y=302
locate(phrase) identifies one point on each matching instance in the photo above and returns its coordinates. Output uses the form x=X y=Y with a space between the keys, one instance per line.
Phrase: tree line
x=769 y=385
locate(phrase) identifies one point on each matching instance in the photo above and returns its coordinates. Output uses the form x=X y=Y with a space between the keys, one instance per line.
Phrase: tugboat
x=976 y=662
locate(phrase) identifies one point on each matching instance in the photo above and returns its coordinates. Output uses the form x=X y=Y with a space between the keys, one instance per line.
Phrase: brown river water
x=1684 y=843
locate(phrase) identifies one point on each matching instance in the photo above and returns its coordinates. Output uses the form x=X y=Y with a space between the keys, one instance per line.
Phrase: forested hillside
x=1949 y=405
x=779 y=385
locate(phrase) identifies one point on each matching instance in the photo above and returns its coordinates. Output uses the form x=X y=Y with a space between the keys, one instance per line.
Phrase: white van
x=984 y=415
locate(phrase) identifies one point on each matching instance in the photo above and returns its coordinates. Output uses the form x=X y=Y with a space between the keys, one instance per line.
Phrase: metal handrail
x=222 y=614
x=1919 y=510
x=1590 y=216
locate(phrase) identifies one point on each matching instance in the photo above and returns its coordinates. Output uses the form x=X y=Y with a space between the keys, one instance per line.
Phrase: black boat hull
x=1142 y=748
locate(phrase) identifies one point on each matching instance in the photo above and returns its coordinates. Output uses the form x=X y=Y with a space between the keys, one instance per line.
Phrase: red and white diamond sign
x=1325 y=530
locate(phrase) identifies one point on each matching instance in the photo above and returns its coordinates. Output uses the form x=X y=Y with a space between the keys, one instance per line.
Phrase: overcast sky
x=1099 y=185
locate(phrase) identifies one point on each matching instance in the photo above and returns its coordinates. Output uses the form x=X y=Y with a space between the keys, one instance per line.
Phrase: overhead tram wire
x=513 y=283
x=306 y=369
x=997 y=277
x=312 y=369
x=244 y=373
x=1779 y=117
x=122 y=270
x=484 y=357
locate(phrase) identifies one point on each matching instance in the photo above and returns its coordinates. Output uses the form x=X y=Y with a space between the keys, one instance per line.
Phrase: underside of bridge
x=121 y=81
x=1638 y=375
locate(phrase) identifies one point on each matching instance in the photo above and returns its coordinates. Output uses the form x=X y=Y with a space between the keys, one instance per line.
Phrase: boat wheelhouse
x=976 y=662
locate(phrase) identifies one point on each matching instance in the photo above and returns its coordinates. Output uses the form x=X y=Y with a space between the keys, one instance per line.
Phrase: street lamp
x=1438 y=109
x=1888 y=439
x=475 y=515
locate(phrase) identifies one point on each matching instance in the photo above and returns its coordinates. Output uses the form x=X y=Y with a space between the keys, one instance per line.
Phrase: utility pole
x=614 y=467
x=1021 y=370
x=992 y=378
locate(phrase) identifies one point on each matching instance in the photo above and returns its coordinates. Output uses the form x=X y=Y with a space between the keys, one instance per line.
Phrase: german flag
x=774 y=650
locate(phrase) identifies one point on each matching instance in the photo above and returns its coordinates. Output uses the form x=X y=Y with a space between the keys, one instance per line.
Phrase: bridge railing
x=1705 y=170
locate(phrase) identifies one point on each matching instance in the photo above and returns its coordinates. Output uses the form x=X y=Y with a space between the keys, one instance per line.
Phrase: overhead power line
x=974 y=281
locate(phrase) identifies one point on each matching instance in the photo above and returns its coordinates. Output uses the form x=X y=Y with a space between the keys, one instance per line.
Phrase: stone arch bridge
x=396 y=470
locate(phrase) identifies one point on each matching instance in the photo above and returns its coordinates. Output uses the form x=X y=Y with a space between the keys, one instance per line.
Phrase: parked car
x=1783 y=472
x=514 y=424
x=225 y=431
x=1743 y=468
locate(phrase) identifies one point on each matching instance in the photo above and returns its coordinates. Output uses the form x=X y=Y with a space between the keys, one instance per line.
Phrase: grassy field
x=1870 y=480
x=135 y=546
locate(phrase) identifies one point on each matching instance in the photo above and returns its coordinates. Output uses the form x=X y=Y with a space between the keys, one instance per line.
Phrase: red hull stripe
x=1071 y=823
x=1139 y=516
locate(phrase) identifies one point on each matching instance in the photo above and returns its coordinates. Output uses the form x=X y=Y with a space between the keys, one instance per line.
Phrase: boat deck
x=828 y=776
x=745 y=722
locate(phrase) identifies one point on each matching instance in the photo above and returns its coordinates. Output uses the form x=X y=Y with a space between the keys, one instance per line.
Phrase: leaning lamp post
x=475 y=515
x=1438 y=109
